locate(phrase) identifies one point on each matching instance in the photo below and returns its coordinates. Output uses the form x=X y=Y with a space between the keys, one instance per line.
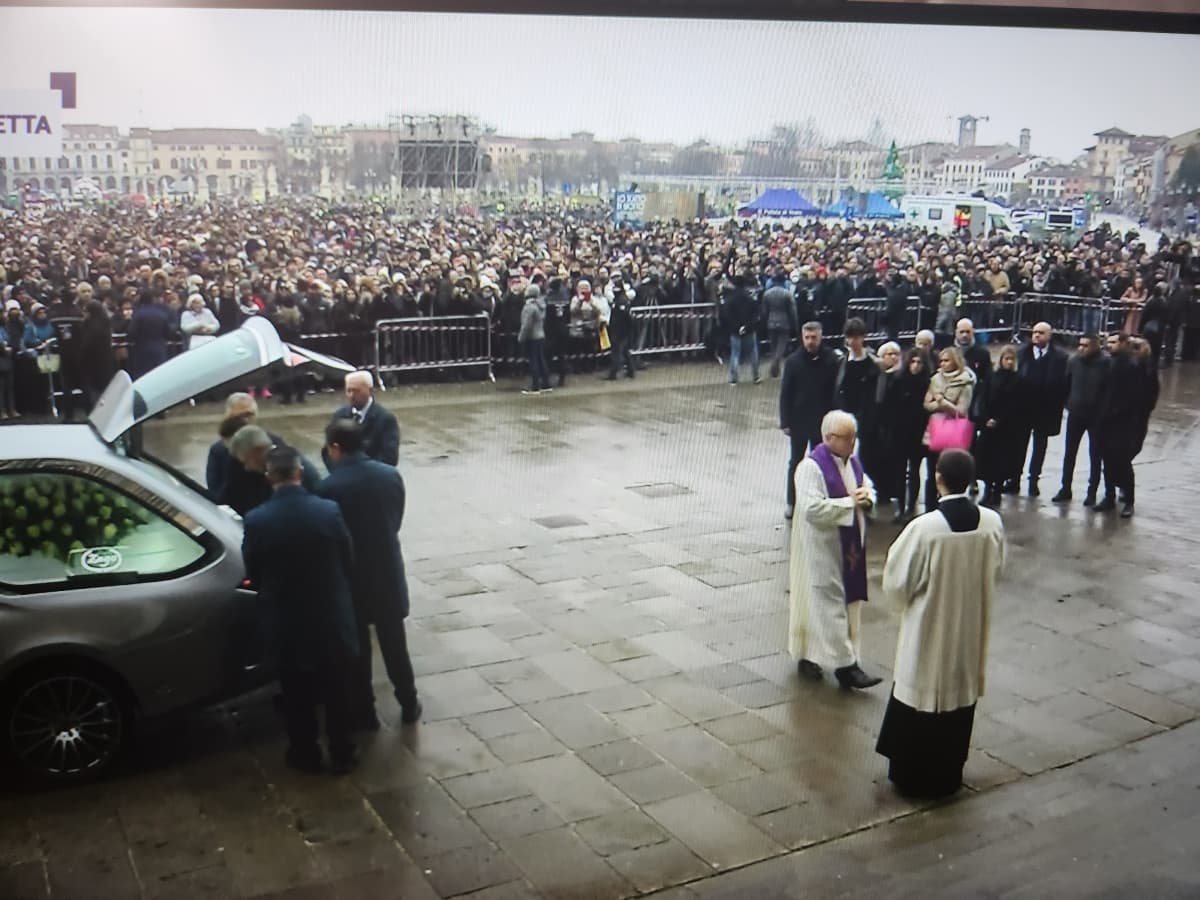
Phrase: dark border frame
x=863 y=11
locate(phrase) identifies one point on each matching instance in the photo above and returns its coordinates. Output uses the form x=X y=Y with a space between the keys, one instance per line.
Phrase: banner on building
x=31 y=124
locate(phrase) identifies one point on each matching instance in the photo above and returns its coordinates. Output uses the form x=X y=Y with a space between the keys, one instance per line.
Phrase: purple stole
x=854 y=555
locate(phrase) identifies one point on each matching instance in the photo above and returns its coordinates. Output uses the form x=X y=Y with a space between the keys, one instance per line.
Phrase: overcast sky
x=674 y=80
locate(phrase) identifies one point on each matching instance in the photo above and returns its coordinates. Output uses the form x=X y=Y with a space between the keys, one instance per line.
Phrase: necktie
x=358 y=416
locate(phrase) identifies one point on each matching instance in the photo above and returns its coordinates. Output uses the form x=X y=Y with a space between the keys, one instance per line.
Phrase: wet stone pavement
x=598 y=587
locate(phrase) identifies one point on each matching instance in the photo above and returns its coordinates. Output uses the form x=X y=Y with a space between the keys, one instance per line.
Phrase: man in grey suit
x=371 y=498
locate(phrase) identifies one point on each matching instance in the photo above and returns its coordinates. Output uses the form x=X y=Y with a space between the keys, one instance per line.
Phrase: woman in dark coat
x=97 y=362
x=903 y=427
x=1001 y=416
x=149 y=331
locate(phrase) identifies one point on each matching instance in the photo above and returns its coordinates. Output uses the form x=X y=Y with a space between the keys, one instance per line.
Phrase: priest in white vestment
x=941 y=573
x=828 y=556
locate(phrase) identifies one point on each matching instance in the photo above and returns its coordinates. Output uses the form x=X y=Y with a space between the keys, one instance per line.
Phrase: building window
x=79 y=162
x=91 y=146
x=64 y=163
x=110 y=164
x=174 y=163
x=156 y=165
x=224 y=164
x=95 y=162
x=245 y=165
x=254 y=163
x=32 y=164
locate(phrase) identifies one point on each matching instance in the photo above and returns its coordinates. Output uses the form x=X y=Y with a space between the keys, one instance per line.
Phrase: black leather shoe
x=1063 y=496
x=345 y=763
x=411 y=714
x=1090 y=499
x=1033 y=489
x=366 y=722
x=810 y=670
x=1127 y=511
x=854 y=677
x=309 y=763
x=1108 y=504
x=1010 y=487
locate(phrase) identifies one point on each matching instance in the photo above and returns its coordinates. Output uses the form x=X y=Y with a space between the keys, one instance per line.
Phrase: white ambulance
x=948 y=213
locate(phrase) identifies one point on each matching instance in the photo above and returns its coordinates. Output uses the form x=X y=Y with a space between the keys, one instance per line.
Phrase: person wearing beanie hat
x=533 y=337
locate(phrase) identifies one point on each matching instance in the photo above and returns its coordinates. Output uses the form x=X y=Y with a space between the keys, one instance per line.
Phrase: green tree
x=893 y=173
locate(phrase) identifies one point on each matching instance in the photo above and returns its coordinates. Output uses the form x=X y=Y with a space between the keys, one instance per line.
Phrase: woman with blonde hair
x=951 y=390
x=1001 y=416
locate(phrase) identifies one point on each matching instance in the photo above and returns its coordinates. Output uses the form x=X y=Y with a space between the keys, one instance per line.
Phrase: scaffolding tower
x=435 y=153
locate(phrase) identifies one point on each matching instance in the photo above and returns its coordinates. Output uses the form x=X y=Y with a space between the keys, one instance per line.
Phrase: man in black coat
x=741 y=315
x=805 y=396
x=371 y=498
x=1042 y=366
x=381 y=431
x=247 y=485
x=298 y=557
x=1125 y=403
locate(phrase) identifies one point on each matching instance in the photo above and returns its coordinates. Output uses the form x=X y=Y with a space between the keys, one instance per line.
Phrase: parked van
x=948 y=213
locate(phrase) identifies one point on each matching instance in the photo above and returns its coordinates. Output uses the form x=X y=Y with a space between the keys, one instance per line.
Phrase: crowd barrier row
x=447 y=343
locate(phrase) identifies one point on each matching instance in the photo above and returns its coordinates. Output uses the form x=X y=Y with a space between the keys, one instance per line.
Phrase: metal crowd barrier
x=433 y=343
x=677 y=328
x=1068 y=315
x=990 y=315
x=873 y=312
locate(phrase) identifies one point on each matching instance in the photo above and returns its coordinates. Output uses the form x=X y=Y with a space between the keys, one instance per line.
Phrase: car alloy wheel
x=64 y=726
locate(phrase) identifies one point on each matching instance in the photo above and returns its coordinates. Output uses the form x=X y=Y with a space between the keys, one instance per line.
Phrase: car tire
x=64 y=722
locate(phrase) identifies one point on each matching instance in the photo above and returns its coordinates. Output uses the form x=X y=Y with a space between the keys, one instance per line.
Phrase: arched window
x=110 y=183
x=109 y=166
x=95 y=162
x=50 y=183
x=156 y=165
x=64 y=163
x=79 y=162
x=65 y=183
x=174 y=163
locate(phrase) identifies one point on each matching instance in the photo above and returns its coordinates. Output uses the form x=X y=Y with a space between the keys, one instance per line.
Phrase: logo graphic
x=100 y=559
x=31 y=121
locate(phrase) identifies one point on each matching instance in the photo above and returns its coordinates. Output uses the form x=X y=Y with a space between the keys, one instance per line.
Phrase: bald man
x=1042 y=367
x=381 y=431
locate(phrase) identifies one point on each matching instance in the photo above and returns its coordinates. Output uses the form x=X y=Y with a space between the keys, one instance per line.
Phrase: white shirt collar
x=952 y=497
x=362 y=413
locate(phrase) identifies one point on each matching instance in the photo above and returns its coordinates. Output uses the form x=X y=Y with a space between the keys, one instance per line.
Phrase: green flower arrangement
x=56 y=515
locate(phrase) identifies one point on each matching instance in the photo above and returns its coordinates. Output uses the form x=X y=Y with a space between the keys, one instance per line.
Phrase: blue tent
x=778 y=203
x=880 y=207
x=841 y=209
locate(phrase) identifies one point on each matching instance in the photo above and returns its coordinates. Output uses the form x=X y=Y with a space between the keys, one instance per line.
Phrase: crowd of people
x=122 y=286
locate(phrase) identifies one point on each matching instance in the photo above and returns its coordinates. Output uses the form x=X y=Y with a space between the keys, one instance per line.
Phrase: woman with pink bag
x=948 y=402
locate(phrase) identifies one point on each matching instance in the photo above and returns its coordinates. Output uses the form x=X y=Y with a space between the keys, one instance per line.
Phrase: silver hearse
x=122 y=591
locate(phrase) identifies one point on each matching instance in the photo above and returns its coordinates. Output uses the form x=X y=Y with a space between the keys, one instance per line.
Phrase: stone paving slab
x=598 y=627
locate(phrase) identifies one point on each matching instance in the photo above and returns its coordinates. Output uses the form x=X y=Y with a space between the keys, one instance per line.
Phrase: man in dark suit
x=381 y=431
x=371 y=497
x=805 y=395
x=247 y=485
x=298 y=556
x=1043 y=368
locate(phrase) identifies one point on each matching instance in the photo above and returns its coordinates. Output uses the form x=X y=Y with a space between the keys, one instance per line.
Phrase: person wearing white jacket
x=197 y=322
x=941 y=575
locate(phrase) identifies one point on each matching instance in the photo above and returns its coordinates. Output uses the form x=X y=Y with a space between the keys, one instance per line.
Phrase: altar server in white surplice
x=941 y=573
x=828 y=556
